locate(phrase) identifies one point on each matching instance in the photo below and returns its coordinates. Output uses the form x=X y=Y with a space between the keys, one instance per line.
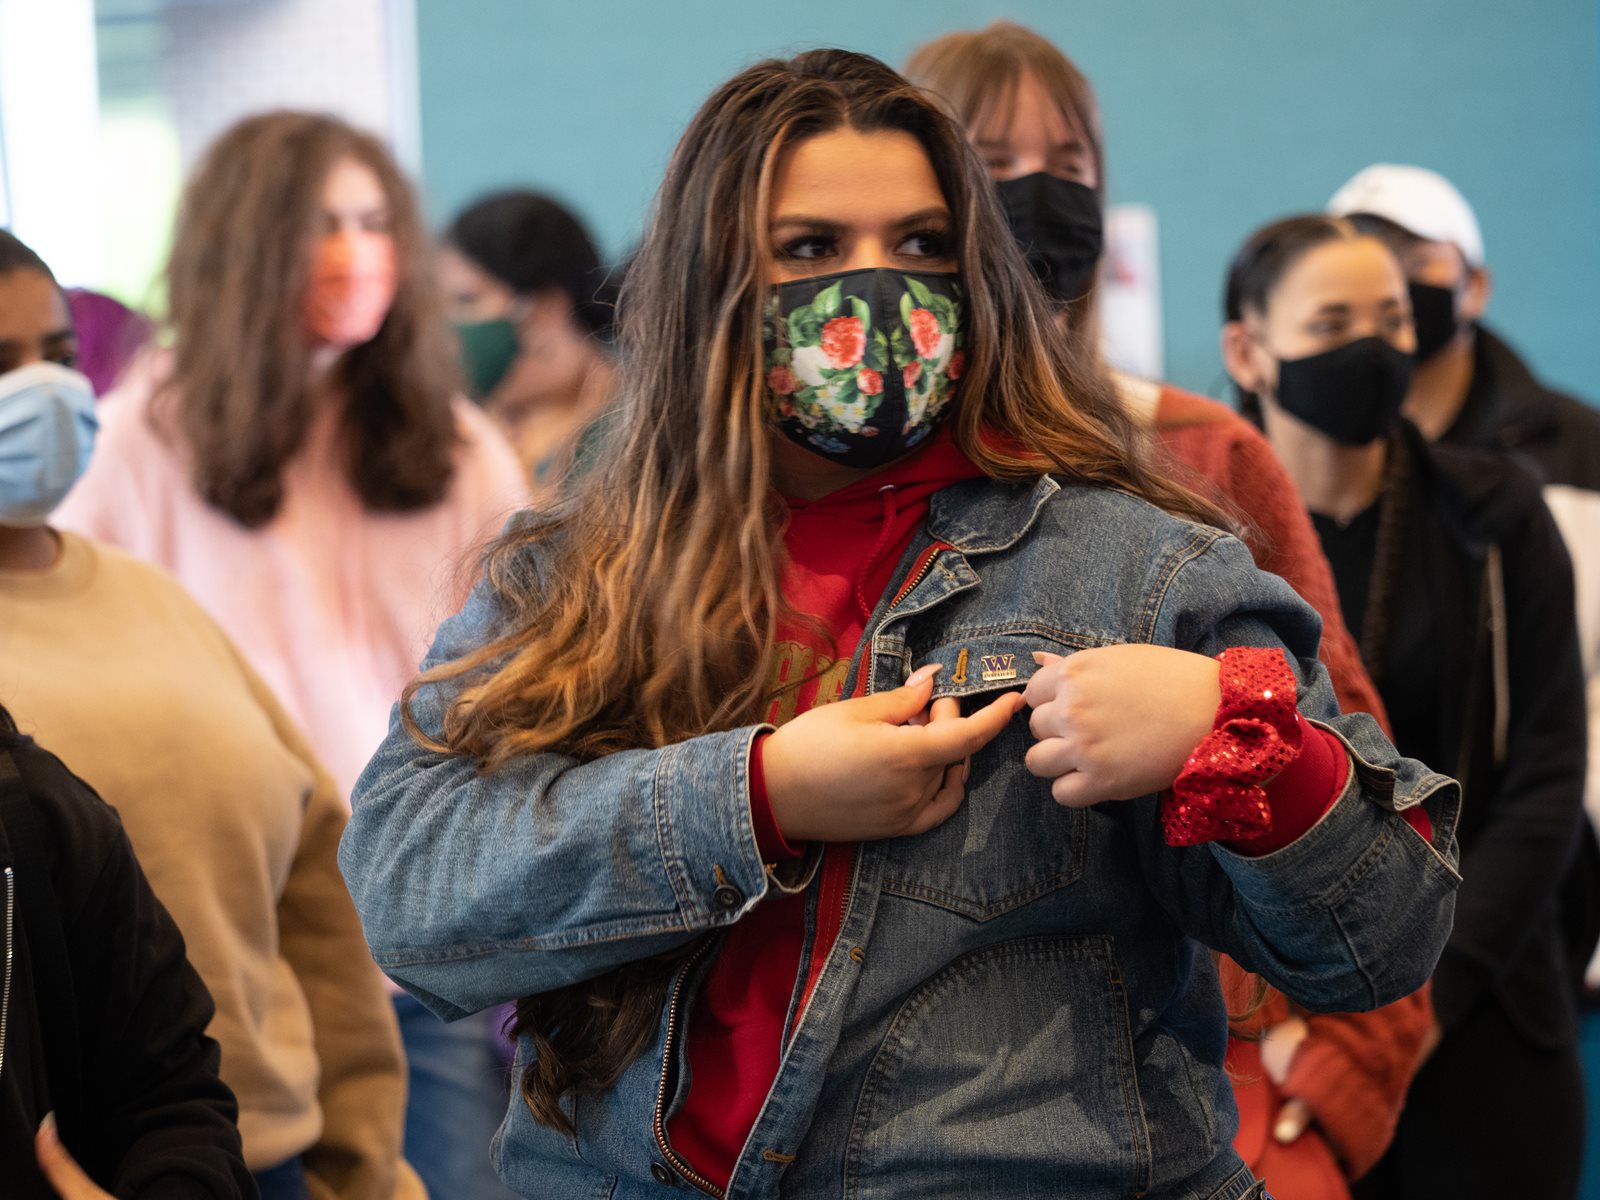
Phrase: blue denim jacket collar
x=979 y=516
x=974 y=517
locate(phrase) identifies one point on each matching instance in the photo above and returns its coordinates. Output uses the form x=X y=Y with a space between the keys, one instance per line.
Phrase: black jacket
x=1485 y=604
x=104 y=1020
x=1508 y=410
x=1556 y=436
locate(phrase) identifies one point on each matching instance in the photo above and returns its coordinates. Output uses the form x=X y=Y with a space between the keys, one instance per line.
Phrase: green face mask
x=488 y=348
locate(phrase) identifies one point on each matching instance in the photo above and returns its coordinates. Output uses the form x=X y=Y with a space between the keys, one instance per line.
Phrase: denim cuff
x=708 y=839
x=1322 y=865
x=1311 y=871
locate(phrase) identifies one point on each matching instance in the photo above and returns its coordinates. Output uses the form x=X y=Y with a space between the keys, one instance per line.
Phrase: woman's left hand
x=1117 y=722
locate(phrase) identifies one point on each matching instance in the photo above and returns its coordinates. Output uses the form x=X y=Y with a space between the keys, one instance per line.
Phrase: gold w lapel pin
x=997 y=667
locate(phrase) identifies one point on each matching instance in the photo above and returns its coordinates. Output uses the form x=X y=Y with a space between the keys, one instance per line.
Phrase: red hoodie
x=841 y=553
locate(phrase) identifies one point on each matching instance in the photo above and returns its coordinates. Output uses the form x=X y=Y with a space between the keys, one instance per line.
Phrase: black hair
x=532 y=243
x=1269 y=252
x=1262 y=261
x=1393 y=234
x=15 y=255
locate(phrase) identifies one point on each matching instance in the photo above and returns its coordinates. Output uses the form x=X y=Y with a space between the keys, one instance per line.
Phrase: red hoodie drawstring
x=885 y=536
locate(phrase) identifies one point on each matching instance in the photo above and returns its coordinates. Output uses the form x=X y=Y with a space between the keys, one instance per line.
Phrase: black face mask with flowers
x=862 y=364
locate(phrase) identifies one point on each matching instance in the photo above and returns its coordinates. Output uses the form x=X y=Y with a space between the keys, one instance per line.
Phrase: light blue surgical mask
x=47 y=428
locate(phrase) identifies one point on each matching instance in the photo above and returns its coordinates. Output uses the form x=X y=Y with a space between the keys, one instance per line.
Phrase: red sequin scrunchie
x=1218 y=794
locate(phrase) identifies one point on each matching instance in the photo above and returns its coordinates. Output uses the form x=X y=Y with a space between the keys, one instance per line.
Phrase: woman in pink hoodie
x=300 y=460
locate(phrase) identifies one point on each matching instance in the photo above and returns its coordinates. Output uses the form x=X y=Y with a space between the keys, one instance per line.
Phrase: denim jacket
x=1020 y=1001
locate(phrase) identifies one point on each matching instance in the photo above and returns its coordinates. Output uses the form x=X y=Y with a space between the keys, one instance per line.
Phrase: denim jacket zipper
x=839 y=863
x=667 y=1047
x=5 y=986
x=835 y=886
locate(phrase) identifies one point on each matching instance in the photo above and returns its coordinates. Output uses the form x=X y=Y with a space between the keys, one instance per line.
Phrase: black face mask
x=1060 y=228
x=1352 y=394
x=1433 y=309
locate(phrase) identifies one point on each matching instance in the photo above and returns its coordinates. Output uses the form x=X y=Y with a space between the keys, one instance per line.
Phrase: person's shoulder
x=1180 y=409
x=1556 y=413
x=1170 y=410
x=1122 y=564
x=1221 y=444
x=474 y=427
x=1489 y=493
x=78 y=827
x=484 y=458
x=118 y=572
x=128 y=427
x=1117 y=526
x=139 y=594
x=1578 y=423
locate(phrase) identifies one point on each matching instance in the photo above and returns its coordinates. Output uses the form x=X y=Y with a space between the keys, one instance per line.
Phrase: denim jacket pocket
x=1019 y=1055
x=1009 y=843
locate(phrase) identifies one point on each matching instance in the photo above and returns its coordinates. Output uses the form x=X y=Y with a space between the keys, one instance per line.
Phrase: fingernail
x=923 y=674
x=966 y=769
x=48 y=1127
x=1286 y=1130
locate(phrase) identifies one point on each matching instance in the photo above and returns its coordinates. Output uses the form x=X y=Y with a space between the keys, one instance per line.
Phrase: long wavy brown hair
x=239 y=393
x=642 y=609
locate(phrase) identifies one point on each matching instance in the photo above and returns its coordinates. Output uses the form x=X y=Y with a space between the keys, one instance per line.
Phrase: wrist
x=1256 y=733
x=1299 y=795
x=770 y=839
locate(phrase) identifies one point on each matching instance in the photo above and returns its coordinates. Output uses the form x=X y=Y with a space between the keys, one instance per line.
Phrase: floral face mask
x=862 y=364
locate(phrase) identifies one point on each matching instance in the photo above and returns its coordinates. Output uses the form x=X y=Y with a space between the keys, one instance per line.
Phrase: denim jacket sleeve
x=476 y=888
x=1354 y=913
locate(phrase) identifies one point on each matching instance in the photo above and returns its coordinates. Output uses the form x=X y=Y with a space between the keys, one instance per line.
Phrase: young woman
x=107 y=1077
x=895 y=945
x=111 y=663
x=298 y=461
x=533 y=309
x=1452 y=574
x=1033 y=119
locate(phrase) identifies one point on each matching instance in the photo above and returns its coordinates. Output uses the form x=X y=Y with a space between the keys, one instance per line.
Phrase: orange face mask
x=352 y=287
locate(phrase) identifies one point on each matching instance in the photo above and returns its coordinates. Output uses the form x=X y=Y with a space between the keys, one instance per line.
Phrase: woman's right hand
x=859 y=770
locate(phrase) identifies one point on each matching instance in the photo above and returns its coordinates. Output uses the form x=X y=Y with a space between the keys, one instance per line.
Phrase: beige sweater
x=109 y=663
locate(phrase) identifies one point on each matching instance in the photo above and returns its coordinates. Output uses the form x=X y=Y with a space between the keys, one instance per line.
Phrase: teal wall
x=1221 y=115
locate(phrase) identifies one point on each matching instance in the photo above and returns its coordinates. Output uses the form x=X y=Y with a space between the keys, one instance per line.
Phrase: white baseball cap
x=1420 y=201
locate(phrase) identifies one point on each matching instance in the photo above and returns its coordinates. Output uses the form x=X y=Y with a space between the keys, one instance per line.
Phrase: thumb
x=65 y=1176
x=899 y=705
x=1293 y=1120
